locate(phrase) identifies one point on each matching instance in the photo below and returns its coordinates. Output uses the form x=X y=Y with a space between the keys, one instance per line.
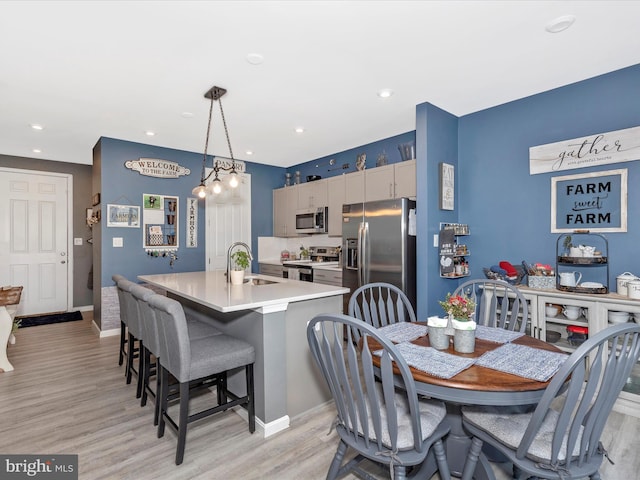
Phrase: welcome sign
x=154 y=167
x=594 y=201
x=601 y=149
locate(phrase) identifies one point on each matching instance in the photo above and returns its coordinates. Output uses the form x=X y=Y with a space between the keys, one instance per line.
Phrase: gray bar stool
x=190 y=360
x=129 y=315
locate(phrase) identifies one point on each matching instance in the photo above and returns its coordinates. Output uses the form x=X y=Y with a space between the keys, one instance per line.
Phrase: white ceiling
x=116 y=69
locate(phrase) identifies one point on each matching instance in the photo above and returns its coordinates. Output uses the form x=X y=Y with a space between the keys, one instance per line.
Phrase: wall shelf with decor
x=453 y=253
x=160 y=224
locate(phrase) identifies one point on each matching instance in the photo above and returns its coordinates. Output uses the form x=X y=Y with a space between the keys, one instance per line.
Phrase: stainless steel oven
x=296 y=271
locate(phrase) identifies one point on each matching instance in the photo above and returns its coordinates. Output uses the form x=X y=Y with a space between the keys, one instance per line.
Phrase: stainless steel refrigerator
x=379 y=245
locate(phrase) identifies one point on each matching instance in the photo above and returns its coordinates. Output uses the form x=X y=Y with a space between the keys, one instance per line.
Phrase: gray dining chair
x=204 y=361
x=562 y=441
x=380 y=304
x=383 y=421
x=491 y=308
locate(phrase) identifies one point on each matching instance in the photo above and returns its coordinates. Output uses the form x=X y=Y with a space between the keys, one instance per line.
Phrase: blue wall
x=509 y=210
x=121 y=185
x=320 y=166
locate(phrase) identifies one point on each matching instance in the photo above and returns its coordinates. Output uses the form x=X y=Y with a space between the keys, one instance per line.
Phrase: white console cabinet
x=594 y=315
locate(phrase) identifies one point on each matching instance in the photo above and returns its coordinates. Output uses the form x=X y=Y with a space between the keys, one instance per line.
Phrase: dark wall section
x=82 y=254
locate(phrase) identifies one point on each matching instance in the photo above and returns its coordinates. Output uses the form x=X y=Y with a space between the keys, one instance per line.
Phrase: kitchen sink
x=258 y=281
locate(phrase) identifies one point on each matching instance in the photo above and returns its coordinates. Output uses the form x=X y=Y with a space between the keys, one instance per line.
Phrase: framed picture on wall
x=594 y=201
x=447 y=186
x=123 y=216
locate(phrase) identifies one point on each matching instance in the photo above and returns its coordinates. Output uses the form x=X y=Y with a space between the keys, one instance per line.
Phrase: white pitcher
x=568 y=279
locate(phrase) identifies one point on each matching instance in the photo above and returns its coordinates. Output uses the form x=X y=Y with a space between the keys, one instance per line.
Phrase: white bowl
x=618 y=317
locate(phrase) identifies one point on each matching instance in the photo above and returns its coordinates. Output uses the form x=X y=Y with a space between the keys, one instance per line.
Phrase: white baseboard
x=84 y=308
x=104 y=333
x=268 y=429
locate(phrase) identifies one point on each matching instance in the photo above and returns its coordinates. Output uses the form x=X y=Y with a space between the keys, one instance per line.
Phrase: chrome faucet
x=236 y=244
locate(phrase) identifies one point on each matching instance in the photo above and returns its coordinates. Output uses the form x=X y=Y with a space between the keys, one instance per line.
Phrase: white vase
x=237 y=277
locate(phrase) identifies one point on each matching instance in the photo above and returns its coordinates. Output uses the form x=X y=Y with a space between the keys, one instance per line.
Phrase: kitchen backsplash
x=269 y=248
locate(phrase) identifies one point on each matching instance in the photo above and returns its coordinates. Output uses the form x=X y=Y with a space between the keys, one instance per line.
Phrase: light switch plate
x=117 y=242
x=435 y=240
x=77 y=241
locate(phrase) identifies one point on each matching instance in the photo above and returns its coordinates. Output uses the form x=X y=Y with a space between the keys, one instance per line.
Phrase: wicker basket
x=10 y=295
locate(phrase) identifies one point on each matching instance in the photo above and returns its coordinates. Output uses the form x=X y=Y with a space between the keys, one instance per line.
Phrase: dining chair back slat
x=380 y=304
x=498 y=303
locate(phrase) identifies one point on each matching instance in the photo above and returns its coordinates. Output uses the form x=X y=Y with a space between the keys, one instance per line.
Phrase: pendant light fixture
x=215 y=94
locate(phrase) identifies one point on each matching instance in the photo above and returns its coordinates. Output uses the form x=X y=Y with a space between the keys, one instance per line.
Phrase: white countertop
x=212 y=290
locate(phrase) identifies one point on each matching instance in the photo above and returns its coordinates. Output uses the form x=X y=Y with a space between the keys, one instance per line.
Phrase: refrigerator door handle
x=360 y=252
x=363 y=246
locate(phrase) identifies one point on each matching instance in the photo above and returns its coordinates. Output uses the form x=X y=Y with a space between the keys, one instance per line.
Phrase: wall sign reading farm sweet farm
x=153 y=167
x=593 y=201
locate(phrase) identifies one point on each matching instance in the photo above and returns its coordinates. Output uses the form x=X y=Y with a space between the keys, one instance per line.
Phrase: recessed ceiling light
x=187 y=115
x=385 y=93
x=299 y=129
x=560 y=24
x=249 y=152
x=149 y=133
x=255 y=58
x=36 y=150
x=36 y=126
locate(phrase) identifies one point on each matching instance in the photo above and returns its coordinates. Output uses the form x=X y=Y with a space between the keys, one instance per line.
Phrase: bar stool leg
x=184 y=419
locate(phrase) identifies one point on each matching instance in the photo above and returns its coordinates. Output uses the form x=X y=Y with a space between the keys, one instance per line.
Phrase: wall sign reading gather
x=153 y=167
x=594 y=201
x=601 y=149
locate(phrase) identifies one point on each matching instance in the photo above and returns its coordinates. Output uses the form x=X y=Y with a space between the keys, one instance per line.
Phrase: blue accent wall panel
x=320 y=166
x=508 y=209
x=121 y=185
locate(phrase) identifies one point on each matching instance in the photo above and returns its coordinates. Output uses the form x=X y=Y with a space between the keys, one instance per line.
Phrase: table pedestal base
x=457 y=445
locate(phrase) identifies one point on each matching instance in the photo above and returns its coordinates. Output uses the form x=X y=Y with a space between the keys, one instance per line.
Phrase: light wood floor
x=67 y=394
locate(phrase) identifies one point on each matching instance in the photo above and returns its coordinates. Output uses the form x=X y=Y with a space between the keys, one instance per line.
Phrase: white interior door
x=228 y=220
x=35 y=212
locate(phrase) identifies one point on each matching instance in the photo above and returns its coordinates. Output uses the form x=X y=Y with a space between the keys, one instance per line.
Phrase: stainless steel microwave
x=313 y=220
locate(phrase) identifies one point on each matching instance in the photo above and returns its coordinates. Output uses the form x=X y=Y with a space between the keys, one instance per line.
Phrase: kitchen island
x=272 y=314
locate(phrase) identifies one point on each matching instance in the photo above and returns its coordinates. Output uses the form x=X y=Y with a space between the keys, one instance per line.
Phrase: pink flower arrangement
x=459 y=307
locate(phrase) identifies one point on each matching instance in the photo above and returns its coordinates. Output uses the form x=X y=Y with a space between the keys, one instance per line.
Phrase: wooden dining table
x=475 y=385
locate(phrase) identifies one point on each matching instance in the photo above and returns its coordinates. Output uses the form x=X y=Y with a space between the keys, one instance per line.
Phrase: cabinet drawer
x=272 y=270
x=327 y=277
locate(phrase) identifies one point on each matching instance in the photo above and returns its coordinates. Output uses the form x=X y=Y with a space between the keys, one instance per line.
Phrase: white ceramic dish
x=591 y=285
x=618 y=317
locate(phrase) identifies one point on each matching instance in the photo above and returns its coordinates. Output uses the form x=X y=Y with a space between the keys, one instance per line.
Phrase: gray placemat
x=523 y=361
x=432 y=361
x=403 y=331
x=497 y=335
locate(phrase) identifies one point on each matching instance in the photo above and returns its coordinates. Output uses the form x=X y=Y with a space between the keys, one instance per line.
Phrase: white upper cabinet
x=284 y=211
x=391 y=181
x=336 y=191
x=312 y=194
x=354 y=187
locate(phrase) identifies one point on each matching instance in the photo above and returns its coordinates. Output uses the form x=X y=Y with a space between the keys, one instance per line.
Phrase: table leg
x=457 y=445
x=6 y=324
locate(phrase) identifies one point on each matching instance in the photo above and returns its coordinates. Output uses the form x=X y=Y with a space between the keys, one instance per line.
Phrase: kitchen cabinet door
x=378 y=183
x=354 y=187
x=336 y=193
x=312 y=194
x=405 y=179
x=284 y=212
